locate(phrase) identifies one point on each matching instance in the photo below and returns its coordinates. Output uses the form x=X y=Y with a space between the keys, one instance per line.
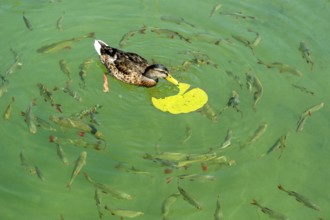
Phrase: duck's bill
x=172 y=80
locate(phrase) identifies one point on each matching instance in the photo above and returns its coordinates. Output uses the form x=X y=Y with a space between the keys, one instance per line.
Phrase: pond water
x=211 y=45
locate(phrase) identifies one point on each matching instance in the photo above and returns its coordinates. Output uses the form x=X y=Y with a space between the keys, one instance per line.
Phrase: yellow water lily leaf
x=183 y=102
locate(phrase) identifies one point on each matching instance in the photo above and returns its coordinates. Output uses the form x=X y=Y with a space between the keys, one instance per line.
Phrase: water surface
x=133 y=127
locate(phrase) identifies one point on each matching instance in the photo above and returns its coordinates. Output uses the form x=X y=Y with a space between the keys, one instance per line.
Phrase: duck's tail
x=98 y=45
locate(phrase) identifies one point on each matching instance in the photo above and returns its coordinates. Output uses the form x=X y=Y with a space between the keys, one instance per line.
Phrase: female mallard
x=131 y=68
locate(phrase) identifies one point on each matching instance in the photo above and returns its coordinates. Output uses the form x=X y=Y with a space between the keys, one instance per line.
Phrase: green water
x=132 y=126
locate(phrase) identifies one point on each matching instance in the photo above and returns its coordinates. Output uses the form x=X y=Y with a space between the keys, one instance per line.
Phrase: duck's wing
x=130 y=63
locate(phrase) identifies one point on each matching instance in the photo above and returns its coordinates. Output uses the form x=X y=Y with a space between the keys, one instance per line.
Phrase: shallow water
x=132 y=126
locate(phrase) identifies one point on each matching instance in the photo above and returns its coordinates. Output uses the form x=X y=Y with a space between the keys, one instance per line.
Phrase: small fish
x=27 y=22
x=87 y=112
x=221 y=161
x=123 y=213
x=218 y=212
x=233 y=101
x=303 y=89
x=28 y=117
x=306 y=54
x=227 y=142
x=7 y=113
x=206 y=37
x=16 y=65
x=61 y=154
x=256 y=41
x=306 y=114
x=280 y=144
x=209 y=112
x=254 y=85
x=126 y=37
x=76 y=142
x=68 y=122
x=3 y=86
x=260 y=131
x=167 y=203
x=132 y=170
x=242 y=40
x=197 y=158
x=172 y=156
x=80 y=162
x=64 y=44
x=176 y=20
x=169 y=33
x=187 y=197
x=188 y=135
x=271 y=213
x=46 y=93
x=300 y=198
x=197 y=177
x=109 y=189
x=235 y=77
x=59 y=23
x=67 y=89
x=39 y=174
x=239 y=14
x=83 y=68
x=143 y=29
x=215 y=8
x=27 y=166
x=65 y=68
x=282 y=68
x=98 y=203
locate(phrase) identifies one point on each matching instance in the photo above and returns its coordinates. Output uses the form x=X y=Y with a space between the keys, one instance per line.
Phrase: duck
x=130 y=67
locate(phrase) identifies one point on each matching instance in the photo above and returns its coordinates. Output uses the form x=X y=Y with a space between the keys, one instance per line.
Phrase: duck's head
x=158 y=71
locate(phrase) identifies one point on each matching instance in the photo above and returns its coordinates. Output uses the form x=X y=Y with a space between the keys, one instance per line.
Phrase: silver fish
x=306 y=114
x=28 y=117
x=67 y=89
x=306 y=54
x=303 y=89
x=64 y=44
x=27 y=166
x=109 y=189
x=215 y=8
x=168 y=202
x=27 y=22
x=124 y=213
x=83 y=68
x=176 y=20
x=80 y=162
x=187 y=197
x=218 y=212
x=260 y=130
x=59 y=23
x=39 y=173
x=7 y=113
x=188 y=135
x=61 y=154
x=227 y=142
x=271 y=213
x=65 y=68
x=300 y=198
x=98 y=203
x=282 y=68
x=169 y=33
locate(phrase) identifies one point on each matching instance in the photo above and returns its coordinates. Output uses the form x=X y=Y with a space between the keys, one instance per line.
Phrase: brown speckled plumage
x=129 y=67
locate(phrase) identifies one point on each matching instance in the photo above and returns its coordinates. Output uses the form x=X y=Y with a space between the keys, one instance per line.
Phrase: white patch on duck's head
x=98 y=46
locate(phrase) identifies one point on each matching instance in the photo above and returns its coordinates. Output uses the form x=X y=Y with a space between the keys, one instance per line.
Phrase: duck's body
x=129 y=67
